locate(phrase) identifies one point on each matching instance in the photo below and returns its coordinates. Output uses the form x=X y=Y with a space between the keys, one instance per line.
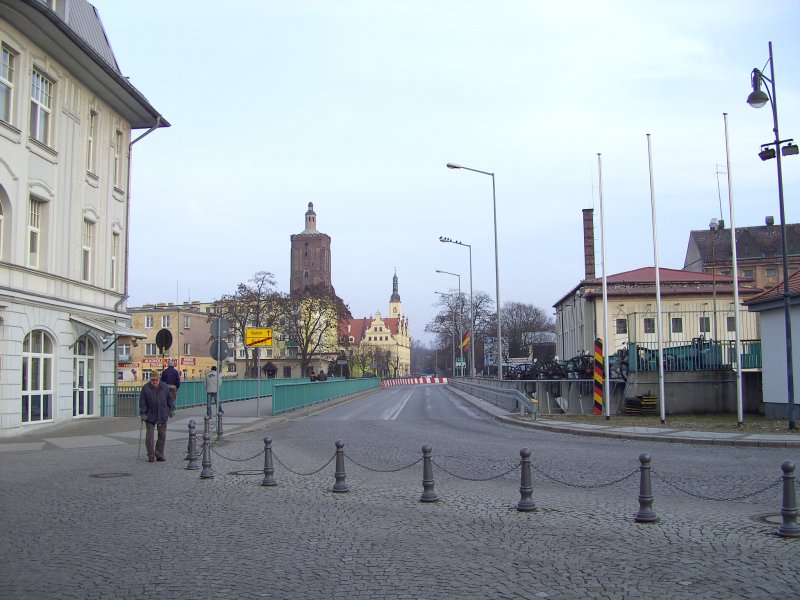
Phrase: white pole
x=606 y=340
x=661 y=399
x=737 y=362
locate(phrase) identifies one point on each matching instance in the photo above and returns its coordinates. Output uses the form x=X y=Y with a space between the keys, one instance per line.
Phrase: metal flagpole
x=661 y=399
x=735 y=269
x=606 y=344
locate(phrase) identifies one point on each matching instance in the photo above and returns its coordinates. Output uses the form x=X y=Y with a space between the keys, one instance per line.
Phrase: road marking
x=391 y=415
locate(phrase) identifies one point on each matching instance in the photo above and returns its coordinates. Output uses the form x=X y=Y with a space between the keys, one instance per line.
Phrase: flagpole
x=606 y=344
x=661 y=399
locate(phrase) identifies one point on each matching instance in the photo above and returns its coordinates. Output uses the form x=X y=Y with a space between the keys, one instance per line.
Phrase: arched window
x=83 y=378
x=37 y=377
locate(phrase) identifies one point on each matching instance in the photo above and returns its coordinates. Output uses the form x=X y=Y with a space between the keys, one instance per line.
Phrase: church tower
x=311 y=256
x=395 y=306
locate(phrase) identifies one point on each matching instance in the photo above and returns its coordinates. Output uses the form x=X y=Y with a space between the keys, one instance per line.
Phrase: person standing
x=172 y=378
x=212 y=391
x=156 y=406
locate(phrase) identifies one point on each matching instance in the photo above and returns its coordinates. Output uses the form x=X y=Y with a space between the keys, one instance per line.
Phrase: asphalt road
x=160 y=531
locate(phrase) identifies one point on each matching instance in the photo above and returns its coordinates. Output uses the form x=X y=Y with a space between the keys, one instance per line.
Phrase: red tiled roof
x=648 y=275
x=776 y=292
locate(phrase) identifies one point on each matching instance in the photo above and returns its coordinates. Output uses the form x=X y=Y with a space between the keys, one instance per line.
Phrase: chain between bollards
x=645 y=514
x=428 y=493
x=192 y=452
x=340 y=486
x=526 y=502
x=207 y=472
x=789 y=526
x=269 y=470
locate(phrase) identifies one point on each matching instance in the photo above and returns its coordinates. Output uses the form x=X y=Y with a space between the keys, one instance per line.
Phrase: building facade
x=66 y=117
x=310 y=256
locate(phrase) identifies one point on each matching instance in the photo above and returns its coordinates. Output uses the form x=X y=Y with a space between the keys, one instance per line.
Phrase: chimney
x=770 y=220
x=588 y=242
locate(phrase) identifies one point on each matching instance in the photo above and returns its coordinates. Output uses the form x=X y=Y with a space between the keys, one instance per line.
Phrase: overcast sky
x=358 y=106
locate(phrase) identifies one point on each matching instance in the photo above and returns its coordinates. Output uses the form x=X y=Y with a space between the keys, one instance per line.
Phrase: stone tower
x=311 y=256
x=395 y=306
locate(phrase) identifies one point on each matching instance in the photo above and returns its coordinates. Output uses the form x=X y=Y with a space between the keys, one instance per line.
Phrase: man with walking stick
x=156 y=406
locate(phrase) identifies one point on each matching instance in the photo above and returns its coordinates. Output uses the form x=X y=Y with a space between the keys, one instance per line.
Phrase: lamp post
x=460 y=319
x=757 y=99
x=454 y=334
x=471 y=306
x=496 y=266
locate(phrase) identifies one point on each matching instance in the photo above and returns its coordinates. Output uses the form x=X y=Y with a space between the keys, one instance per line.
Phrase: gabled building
x=66 y=118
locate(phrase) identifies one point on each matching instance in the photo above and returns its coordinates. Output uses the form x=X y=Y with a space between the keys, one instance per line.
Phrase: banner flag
x=465 y=341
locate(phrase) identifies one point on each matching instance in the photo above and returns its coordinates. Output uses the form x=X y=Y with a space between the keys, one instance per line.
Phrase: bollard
x=219 y=426
x=428 y=493
x=189 y=447
x=789 y=526
x=269 y=470
x=526 y=484
x=340 y=486
x=192 y=466
x=207 y=472
x=645 y=514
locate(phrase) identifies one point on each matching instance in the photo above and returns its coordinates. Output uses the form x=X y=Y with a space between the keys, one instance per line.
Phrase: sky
x=358 y=106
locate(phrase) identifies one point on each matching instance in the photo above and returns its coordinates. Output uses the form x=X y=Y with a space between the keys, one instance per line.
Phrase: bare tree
x=252 y=305
x=521 y=323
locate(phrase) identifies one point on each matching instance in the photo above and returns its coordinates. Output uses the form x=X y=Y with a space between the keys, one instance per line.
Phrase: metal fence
x=699 y=355
x=290 y=396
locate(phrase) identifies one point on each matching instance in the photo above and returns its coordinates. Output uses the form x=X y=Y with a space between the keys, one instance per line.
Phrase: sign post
x=257 y=338
x=219 y=350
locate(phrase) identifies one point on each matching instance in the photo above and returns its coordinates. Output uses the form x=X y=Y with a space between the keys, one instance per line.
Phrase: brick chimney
x=588 y=242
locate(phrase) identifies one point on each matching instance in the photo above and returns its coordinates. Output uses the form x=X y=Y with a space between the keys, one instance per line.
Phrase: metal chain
x=703 y=497
x=514 y=468
x=587 y=486
x=235 y=459
x=278 y=460
x=358 y=464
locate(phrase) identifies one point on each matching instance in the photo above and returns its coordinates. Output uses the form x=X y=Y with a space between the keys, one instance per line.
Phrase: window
x=118 y=160
x=165 y=320
x=90 y=142
x=37 y=377
x=287 y=372
x=186 y=322
x=242 y=353
x=148 y=322
x=748 y=273
x=34 y=232
x=41 y=105
x=282 y=353
x=86 y=250
x=677 y=325
x=83 y=378
x=730 y=323
x=187 y=348
x=649 y=325
x=114 y=261
x=770 y=276
x=150 y=350
x=124 y=352
x=7 y=60
x=269 y=352
x=622 y=326
x=1 y=230
x=705 y=324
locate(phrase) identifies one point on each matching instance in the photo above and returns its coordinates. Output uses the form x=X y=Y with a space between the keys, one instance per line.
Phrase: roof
x=762 y=241
x=775 y=293
x=359 y=327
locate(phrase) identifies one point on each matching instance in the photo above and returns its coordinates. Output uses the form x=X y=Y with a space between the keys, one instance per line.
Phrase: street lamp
x=471 y=305
x=454 y=333
x=757 y=99
x=496 y=266
x=460 y=335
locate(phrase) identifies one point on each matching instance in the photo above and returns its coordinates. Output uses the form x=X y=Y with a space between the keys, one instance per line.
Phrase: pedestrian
x=156 y=406
x=172 y=378
x=212 y=391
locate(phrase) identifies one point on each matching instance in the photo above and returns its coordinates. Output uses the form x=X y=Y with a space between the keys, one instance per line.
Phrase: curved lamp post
x=460 y=319
x=757 y=99
x=471 y=306
x=496 y=266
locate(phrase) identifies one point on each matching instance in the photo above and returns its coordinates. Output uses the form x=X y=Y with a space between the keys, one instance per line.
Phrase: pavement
x=253 y=415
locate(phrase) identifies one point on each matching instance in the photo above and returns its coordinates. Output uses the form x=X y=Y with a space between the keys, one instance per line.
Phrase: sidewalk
x=253 y=415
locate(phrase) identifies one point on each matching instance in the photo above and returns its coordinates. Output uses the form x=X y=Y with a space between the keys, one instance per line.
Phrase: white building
x=66 y=116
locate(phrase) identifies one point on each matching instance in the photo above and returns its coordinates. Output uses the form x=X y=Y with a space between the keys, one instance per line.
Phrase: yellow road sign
x=257 y=337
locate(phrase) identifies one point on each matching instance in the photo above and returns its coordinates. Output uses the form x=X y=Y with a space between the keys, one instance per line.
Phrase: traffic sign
x=223 y=350
x=163 y=340
x=257 y=337
x=220 y=327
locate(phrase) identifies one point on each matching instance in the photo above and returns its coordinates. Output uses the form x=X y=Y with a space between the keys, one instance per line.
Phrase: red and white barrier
x=412 y=381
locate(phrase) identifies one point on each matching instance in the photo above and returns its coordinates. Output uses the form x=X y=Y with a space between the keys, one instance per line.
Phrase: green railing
x=700 y=355
x=290 y=396
x=123 y=400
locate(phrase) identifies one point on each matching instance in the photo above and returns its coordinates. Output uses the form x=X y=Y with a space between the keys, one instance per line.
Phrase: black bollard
x=526 y=502
x=645 y=514
x=428 y=493
x=269 y=470
x=189 y=446
x=340 y=486
x=789 y=526
x=192 y=466
x=207 y=472
x=219 y=426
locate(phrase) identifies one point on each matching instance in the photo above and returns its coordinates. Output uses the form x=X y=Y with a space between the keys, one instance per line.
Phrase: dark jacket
x=156 y=403
x=170 y=376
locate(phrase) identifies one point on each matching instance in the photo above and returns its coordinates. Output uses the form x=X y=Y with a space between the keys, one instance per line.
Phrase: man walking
x=156 y=406
x=172 y=378
x=212 y=391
